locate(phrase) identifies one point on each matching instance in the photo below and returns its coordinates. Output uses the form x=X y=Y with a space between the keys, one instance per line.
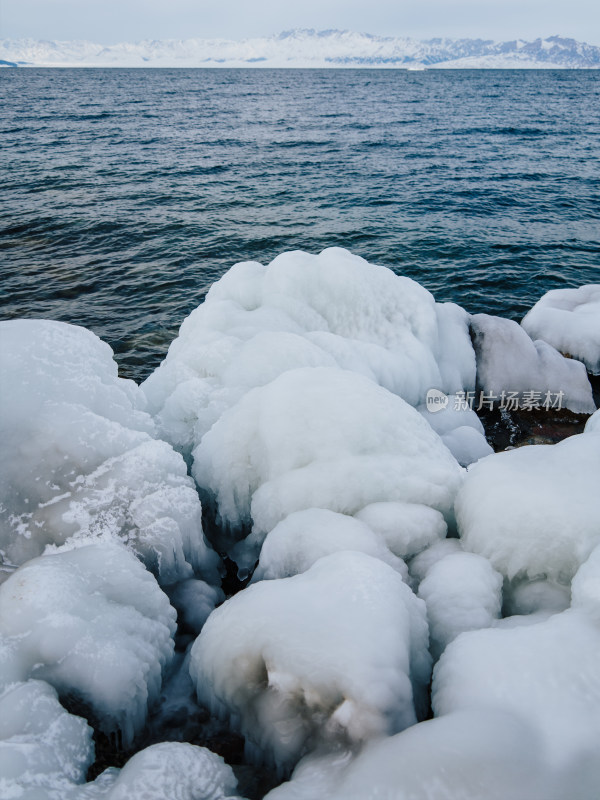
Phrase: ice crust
x=337 y=654
x=320 y=438
x=94 y=624
x=80 y=460
x=297 y=542
x=569 y=320
x=329 y=310
x=471 y=755
x=533 y=511
x=509 y=361
x=43 y=749
x=173 y=770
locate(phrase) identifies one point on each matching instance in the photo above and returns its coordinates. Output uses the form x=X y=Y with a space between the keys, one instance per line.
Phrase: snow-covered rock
x=462 y=592
x=320 y=438
x=469 y=755
x=173 y=770
x=406 y=528
x=569 y=320
x=94 y=624
x=302 y=538
x=533 y=511
x=335 y=655
x=44 y=750
x=460 y=429
x=80 y=460
x=508 y=361
x=302 y=310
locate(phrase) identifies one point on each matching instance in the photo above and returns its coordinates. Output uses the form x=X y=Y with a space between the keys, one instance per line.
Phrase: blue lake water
x=126 y=193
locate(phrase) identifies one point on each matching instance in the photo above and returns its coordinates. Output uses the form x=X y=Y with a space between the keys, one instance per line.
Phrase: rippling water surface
x=126 y=193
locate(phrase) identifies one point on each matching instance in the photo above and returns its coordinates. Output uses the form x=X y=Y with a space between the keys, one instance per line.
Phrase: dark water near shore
x=126 y=193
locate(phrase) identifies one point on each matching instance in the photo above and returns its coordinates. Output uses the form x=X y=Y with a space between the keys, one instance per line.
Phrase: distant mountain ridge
x=307 y=48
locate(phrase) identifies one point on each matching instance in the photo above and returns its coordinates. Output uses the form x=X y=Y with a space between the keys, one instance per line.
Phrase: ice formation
x=80 y=460
x=546 y=672
x=462 y=592
x=44 y=750
x=533 y=511
x=173 y=770
x=195 y=600
x=406 y=528
x=330 y=310
x=508 y=361
x=305 y=536
x=569 y=320
x=320 y=438
x=94 y=624
x=460 y=429
x=337 y=654
x=471 y=755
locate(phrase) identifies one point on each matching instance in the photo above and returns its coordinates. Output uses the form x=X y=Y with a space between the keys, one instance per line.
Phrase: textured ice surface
x=195 y=600
x=460 y=429
x=509 y=361
x=468 y=755
x=305 y=536
x=320 y=438
x=166 y=771
x=569 y=319
x=407 y=528
x=420 y=565
x=337 y=654
x=462 y=592
x=79 y=458
x=534 y=511
x=94 y=624
x=302 y=310
x=43 y=749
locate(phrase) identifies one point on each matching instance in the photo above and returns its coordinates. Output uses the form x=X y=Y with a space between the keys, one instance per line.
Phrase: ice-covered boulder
x=44 y=750
x=534 y=511
x=569 y=320
x=406 y=528
x=510 y=363
x=459 y=427
x=94 y=624
x=328 y=310
x=546 y=672
x=335 y=655
x=320 y=438
x=173 y=770
x=462 y=592
x=305 y=536
x=471 y=755
x=80 y=460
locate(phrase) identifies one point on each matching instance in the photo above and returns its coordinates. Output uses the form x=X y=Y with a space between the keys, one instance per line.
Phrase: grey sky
x=111 y=21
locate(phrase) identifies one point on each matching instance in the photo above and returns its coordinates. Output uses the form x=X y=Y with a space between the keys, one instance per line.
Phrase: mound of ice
x=93 y=623
x=569 y=320
x=330 y=310
x=420 y=565
x=593 y=423
x=460 y=430
x=469 y=755
x=547 y=672
x=462 y=592
x=302 y=538
x=337 y=654
x=174 y=770
x=320 y=438
x=43 y=749
x=195 y=601
x=533 y=511
x=406 y=528
x=509 y=362
x=79 y=459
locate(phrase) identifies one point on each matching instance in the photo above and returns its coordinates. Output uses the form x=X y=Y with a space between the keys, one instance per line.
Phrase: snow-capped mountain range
x=307 y=48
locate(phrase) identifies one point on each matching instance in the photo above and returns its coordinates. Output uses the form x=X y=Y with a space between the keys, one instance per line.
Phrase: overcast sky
x=111 y=21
